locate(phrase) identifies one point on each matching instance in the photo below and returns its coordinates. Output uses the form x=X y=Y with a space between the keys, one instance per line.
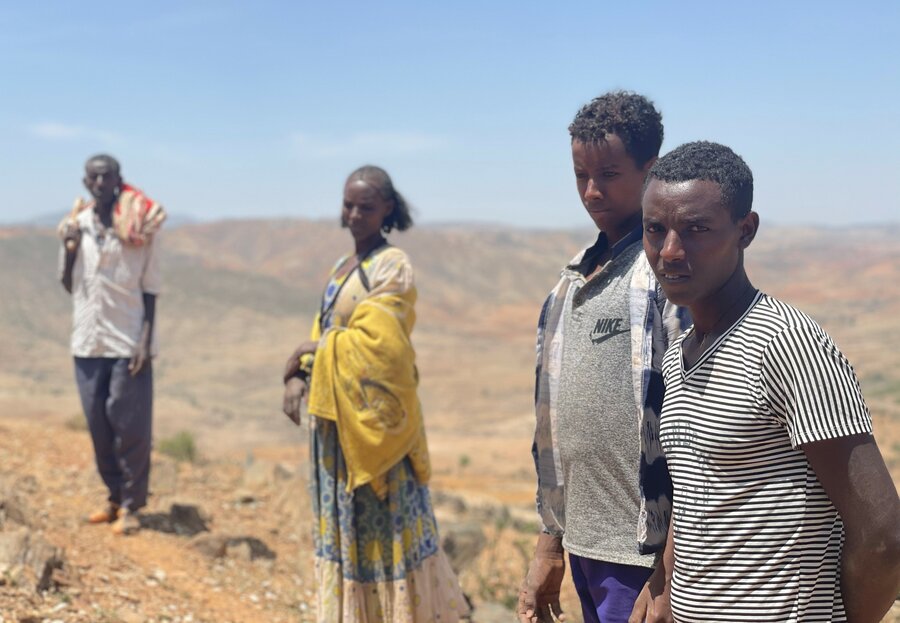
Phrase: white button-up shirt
x=109 y=279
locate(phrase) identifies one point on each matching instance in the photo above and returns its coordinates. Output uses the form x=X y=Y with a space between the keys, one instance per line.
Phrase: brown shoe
x=106 y=515
x=126 y=523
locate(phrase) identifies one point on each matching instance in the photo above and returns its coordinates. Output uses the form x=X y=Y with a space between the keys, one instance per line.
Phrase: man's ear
x=648 y=165
x=749 y=226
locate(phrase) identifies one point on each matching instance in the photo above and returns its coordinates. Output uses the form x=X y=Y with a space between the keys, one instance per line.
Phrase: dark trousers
x=118 y=408
x=607 y=590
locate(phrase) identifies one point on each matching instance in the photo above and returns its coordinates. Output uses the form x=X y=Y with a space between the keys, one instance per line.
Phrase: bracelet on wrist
x=303 y=375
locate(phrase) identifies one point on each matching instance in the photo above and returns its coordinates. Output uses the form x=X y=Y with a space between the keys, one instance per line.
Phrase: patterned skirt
x=376 y=560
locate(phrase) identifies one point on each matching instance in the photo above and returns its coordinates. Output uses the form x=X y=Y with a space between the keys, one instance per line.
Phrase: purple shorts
x=607 y=590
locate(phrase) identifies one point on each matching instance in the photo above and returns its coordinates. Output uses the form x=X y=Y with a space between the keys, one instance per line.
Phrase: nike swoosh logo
x=603 y=338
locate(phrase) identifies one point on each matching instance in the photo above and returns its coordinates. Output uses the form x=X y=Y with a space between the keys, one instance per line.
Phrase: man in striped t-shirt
x=783 y=508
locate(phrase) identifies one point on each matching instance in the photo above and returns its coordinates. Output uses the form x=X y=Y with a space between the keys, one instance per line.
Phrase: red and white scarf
x=135 y=216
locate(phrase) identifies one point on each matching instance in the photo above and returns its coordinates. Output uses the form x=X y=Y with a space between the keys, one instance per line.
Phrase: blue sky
x=227 y=109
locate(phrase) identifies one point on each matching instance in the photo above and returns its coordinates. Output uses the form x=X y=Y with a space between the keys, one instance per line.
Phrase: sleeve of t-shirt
x=151 y=280
x=811 y=387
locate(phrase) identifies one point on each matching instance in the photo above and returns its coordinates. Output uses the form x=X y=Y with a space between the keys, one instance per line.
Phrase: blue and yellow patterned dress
x=378 y=555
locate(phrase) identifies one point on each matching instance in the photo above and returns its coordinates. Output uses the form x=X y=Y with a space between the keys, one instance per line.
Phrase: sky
x=237 y=109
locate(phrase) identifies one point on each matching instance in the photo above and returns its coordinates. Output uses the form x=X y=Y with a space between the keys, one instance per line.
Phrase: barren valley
x=239 y=296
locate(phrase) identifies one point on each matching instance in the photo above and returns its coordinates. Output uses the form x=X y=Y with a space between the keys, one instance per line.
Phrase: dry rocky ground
x=257 y=572
x=225 y=539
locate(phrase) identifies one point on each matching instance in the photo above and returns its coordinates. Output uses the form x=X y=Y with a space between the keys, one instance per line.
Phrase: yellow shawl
x=365 y=380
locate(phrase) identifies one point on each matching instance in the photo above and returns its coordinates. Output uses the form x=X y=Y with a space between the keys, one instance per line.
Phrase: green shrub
x=179 y=446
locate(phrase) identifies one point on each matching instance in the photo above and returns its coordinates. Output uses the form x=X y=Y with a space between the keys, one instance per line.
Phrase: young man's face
x=691 y=240
x=609 y=183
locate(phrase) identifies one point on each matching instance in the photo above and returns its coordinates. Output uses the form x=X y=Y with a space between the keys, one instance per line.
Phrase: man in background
x=110 y=266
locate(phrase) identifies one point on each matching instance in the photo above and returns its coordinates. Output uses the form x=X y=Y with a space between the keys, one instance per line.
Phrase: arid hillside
x=241 y=294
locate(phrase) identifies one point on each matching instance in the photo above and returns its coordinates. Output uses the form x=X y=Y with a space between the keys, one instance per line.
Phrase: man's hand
x=72 y=237
x=71 y=242
x=143 y=352
x=539 y=593
x=140 y=358
x=652 y=605
x=294 y=392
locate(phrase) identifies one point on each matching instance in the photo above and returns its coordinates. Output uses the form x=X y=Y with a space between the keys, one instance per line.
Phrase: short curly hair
x=400 y=217
x=630 y=116
x=703 y=160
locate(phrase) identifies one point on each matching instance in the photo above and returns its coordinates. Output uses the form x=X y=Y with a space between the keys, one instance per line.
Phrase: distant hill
x=240 y=295
x=51 y=219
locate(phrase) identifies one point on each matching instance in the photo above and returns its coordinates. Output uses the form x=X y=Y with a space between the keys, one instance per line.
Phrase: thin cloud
x=55 y=131
x=386 y=143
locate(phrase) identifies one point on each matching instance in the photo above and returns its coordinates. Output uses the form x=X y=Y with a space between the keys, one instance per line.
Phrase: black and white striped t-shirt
x=756 y=537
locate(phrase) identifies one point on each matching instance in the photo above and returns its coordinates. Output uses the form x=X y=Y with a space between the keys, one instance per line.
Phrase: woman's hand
x=306 y=347
x=292 y=366
x=295 y=391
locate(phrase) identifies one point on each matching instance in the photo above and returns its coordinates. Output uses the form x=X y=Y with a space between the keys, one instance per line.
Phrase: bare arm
x=296 y=381
x=143 y=353
x=853 y=473
x=539 y=593
x=71 y=243
x=292 y=366
x=652 y=604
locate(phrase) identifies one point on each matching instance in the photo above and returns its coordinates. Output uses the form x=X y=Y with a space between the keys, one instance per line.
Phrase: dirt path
x=152 y=576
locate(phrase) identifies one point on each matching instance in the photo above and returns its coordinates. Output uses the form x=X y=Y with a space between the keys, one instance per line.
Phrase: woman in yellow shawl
x=378 y=555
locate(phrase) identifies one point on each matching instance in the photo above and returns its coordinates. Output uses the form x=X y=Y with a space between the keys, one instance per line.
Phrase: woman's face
x=364 y=210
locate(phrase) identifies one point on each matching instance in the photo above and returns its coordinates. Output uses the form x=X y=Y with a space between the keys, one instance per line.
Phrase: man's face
x=691 y=240
x=609 y=183
x=101 y=180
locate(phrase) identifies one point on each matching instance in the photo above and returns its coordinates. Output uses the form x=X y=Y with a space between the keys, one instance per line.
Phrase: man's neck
x=104 y=212
x=725 y=306
x=624 y=228
x=600 y=259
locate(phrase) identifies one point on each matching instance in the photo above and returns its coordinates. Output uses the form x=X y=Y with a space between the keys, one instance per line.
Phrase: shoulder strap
x=363 y=277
